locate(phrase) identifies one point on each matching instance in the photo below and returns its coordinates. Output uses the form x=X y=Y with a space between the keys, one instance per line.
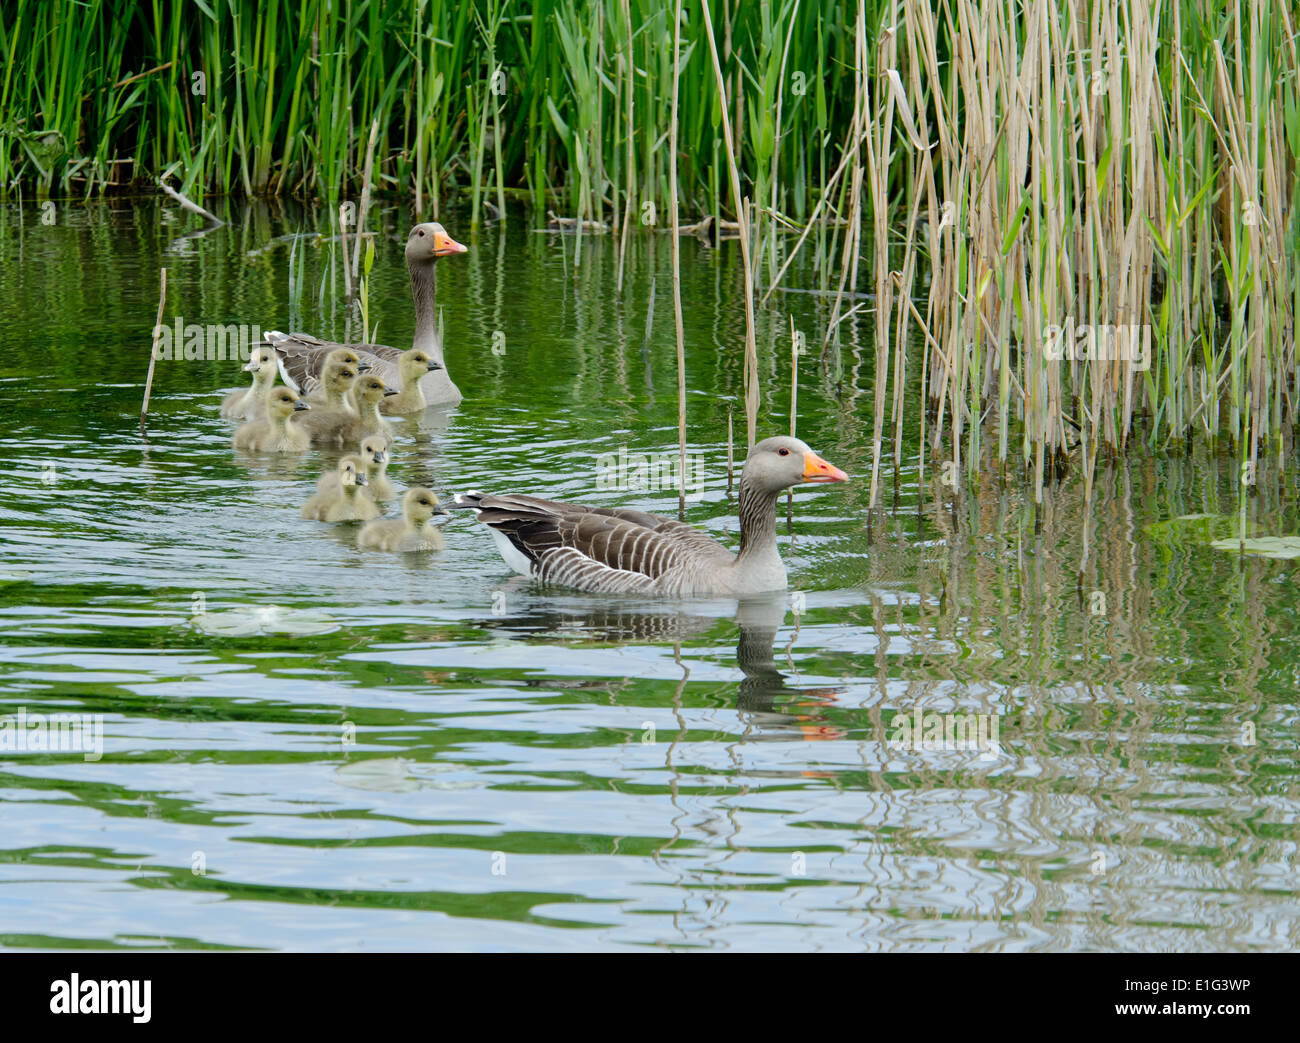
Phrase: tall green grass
x=980 y=169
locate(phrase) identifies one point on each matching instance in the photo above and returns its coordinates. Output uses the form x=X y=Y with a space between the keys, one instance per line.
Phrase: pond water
x=308 y=747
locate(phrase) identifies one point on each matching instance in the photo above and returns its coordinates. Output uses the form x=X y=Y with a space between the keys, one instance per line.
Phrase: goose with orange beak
x=301 y=356
x=618 y=551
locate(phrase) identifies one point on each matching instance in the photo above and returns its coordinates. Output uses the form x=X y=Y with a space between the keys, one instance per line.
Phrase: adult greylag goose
x=616 y=551
x=248 y=403
x=374 y=454
x=343 y=501
x=301 y=354
x=413 y=531
x=273 y=433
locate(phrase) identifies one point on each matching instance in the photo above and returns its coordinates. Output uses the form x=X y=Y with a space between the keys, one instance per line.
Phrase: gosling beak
x=445 y=244
x=364 y=367
x=389 y=392
x=380 y=457
x=251 y=366
x=439 y=511
x=815 y=469
x=362 y=480
x=300 y=405
x=435 y=365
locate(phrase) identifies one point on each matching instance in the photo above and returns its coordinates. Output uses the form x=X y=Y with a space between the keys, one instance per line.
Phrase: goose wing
x=300 y=357
x=604 y=550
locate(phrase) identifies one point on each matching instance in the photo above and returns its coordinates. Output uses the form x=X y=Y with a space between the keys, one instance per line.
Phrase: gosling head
x=374 y=450
x=261 y=361
x=428 y=242
x=340 y=379
x=283 y=402
x=778 y=463
x=352 y=472
x=419 y=505
x=415 y=363
x=372 y=389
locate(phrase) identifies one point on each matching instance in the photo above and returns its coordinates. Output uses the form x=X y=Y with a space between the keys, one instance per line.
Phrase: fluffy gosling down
x=411 y=366
x=345 y=499
x=414 y=531
x=332 y=415
x=248 y=403
x=375 y=456
x=273 y=433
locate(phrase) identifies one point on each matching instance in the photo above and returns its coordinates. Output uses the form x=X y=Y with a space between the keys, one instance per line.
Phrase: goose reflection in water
x=772 y=707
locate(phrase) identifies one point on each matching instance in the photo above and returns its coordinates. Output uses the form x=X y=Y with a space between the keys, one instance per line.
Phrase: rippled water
x=306 y=747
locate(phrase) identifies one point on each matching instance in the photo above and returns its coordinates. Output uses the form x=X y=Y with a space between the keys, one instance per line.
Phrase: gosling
x=324 y=390
x=331 y=416
x=248 y=403
x=344 y=501
x=411 y=366
x=273 y=433
x=367 y=392
x=375 y=456
x=415 y=530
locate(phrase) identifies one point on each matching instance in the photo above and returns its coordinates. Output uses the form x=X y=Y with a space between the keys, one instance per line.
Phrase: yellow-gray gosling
x=375 y=456
x=331 y=417
x=344 y=501
x=414 y=531
x=273 y=433
x=411 y=366
x=367 y=392
x=324 y=390
x=248 y=403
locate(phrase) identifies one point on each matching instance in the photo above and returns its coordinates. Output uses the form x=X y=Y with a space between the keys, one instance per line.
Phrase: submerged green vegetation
x=1028 y=194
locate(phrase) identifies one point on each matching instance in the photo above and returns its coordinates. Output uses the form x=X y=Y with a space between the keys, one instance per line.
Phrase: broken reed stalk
x=365 y=198
x=189 y=204
x=742 y=216
x=153 y=344
x=794 y=412
x=343 y=237
x=677 y=267
x=629 y=80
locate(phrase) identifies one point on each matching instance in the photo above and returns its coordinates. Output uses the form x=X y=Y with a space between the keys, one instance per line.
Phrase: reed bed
x=1014 y=191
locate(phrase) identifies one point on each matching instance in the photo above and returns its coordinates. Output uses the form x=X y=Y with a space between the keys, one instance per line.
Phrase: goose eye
x=783 y=452
x=420 y=232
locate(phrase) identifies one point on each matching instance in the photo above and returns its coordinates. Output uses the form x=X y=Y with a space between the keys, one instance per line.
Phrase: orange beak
x=445 y=244
x=815 y=469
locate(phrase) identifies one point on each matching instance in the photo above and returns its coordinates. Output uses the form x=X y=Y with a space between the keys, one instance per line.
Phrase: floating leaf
x=1264 y=546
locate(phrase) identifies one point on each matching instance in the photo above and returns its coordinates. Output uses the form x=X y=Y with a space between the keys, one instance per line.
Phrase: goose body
x=273 y=433
x=618 y=551
x=301 y=355
x=248 y=403
x=374 y=454
x=413 y=531
x=343 y=501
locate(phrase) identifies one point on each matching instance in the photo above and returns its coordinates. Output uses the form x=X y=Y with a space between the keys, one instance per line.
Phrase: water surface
x=425 y=752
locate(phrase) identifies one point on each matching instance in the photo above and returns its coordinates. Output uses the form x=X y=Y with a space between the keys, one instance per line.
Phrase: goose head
x=261 y=361
x=352 y=472
x=778 y=463
x=283 y=402
x=374 y=450
x=429 y=241
x=415 y=363
x=419 y=505
x=371 y=390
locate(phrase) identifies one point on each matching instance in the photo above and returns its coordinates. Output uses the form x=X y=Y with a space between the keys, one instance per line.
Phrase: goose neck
x=426 y=310
x=757 y=521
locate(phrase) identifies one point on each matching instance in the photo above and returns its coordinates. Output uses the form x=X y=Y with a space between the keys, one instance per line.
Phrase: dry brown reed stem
x=365 y=198
x=742 y=215
x=677 y=267
x=153 y=344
